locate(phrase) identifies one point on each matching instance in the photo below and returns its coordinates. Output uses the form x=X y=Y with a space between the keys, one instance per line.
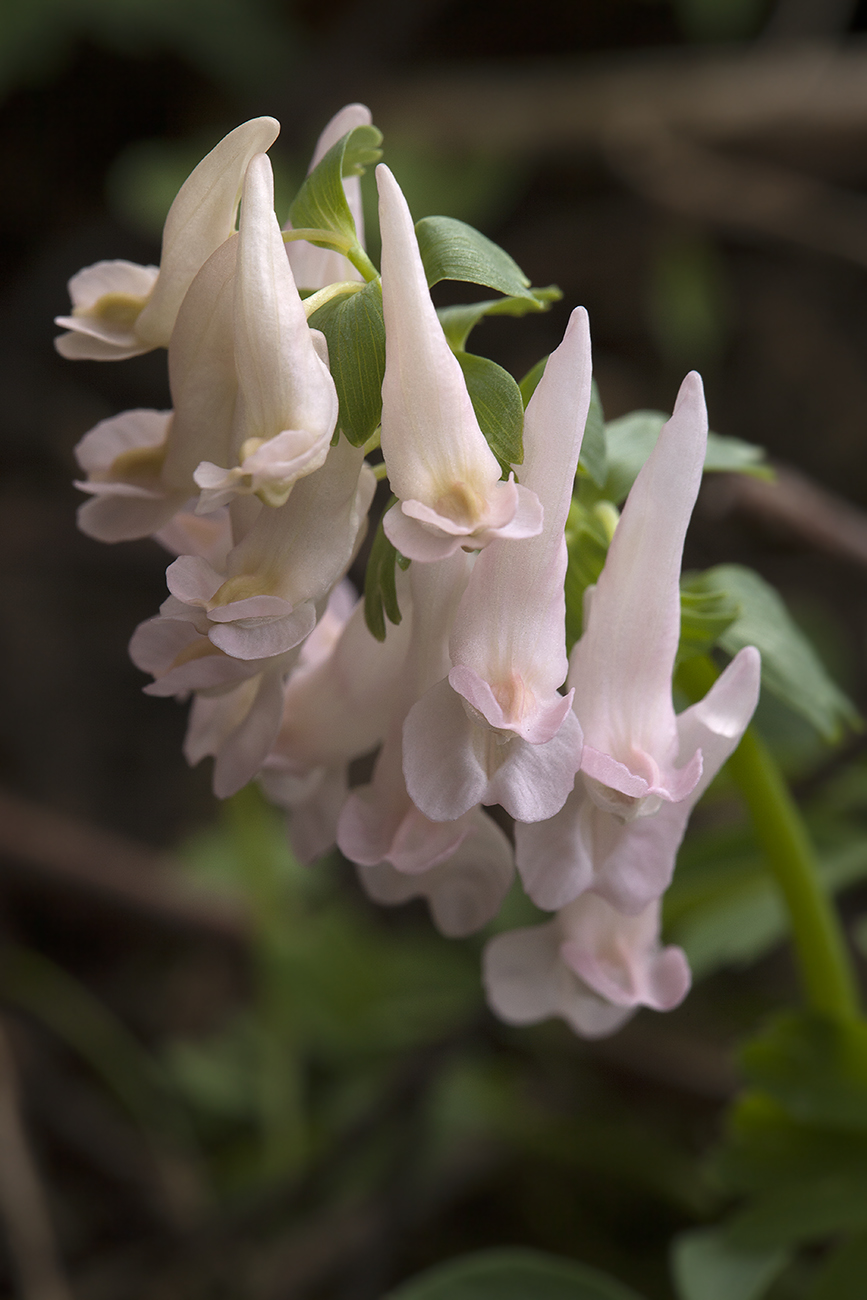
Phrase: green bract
x=380 y=594
x=352 y=325
x=497 y=403
x=321 y=202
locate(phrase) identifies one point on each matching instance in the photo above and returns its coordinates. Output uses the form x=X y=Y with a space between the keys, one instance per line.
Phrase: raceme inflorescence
x=518 y=530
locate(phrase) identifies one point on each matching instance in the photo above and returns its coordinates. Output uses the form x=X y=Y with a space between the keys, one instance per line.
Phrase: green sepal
x=593 y=459
x=380 y=590
x=354 y=330
x=514 y=1274
x=458 y=322
x=631 y=439
x=321 y=202
x=452 y=250
x=705 y=614
x=497 y=403
x=791 y=669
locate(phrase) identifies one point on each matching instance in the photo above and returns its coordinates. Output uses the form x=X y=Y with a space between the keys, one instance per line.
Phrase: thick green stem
x=826 y=970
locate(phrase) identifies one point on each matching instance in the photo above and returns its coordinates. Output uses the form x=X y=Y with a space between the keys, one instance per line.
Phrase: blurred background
x=215 y=1102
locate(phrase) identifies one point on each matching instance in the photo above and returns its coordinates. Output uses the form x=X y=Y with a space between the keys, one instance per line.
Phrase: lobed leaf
x=354 y=330
x=791 y=668
x=630 y=440
x=452 y=250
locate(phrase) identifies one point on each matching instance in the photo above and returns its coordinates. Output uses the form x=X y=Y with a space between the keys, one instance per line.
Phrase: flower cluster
x=466 y=697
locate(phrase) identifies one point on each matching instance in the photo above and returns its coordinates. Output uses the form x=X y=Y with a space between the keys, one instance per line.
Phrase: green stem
x=826 y=970
x=362 y=263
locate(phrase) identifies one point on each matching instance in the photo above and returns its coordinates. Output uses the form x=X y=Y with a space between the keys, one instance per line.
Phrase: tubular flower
x=440 y=466
x=287 y=402
x=497 y=730
x=591 y=966
x=140 y=464
x=120 y=309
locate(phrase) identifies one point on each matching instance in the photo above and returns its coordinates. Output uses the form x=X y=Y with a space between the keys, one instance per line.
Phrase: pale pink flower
x=464 y=891
x=140 y=464
x=591 y=966
x=440 y=466
x=287 y=402
x=120 y=309
x=630 y=863
x=497 y=730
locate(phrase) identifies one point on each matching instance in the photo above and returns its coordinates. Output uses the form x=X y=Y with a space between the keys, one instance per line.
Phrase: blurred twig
x=22 y=1200
x=822 y=519
x=556 y=105
x=737 y=194
x=86 y=857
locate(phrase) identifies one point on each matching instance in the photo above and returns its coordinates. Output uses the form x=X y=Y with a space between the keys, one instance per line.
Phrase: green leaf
x=791 y=669
x=726 y=911
x=707 y=1266
x=458 y=322
x=704 y=617
x=321 y=202
x=587 y=538
x=530 y=382
x=512 y=1275
x=815 y=1067
x=496 y=400
x=353 y=327
x=843 y=1273
x=452 y=250
x=380 y=591
x=631 y=439
x=593 y=458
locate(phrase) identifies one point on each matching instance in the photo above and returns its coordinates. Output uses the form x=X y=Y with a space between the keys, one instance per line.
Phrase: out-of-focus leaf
x=458 y=322
x=354 y=330
x=321 y=202
x=704 y=616
x=33 y=983
x=728 y=912
x=815 y=1067
x=512 y=1275
x=593 y=459
x=791 y=669
x=630 y=440
x=707 y=1266
x=843 y=1273
x=380 y=592
x=452 y=250
x=497 y=403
